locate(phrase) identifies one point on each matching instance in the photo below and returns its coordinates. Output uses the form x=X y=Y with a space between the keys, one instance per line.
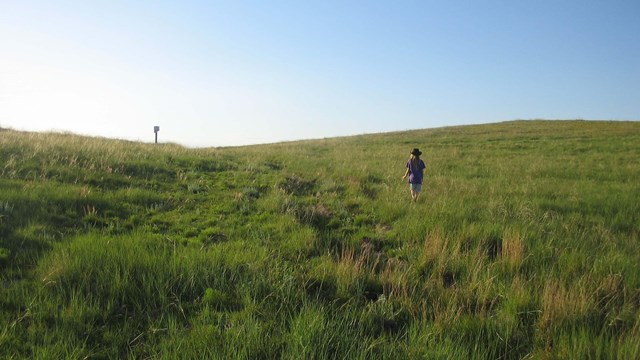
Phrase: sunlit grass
x=524 y=244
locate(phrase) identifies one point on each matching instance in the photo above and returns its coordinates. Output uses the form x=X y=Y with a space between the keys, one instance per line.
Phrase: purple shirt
x=416 y=173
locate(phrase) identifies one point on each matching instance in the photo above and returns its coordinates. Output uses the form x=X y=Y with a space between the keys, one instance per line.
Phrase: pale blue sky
x=218 y=73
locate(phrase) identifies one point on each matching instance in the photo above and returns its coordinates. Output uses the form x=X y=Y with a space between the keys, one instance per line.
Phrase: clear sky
x=218 y=73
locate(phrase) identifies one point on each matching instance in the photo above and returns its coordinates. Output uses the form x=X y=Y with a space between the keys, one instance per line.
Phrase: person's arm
x=406 y=173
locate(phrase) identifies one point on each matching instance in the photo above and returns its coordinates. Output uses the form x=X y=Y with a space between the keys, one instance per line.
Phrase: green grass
x=524 y=244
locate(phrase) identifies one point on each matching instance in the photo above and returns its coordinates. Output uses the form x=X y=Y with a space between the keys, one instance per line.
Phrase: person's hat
x=416 y=152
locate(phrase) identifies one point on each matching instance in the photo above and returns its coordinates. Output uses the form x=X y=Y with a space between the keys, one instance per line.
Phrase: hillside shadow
x=21 y=253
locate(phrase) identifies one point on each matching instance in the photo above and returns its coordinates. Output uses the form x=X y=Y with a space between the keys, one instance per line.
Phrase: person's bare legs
x=415 y=191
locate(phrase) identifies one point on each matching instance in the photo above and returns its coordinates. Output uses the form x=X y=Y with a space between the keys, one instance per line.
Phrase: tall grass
x=524 y=244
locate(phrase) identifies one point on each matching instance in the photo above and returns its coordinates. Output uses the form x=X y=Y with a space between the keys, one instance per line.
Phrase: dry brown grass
x=435 y=246
x=562 y=304
x=513 y=248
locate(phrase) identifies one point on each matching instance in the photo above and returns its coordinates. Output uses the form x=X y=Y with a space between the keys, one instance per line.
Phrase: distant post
x=155 y=130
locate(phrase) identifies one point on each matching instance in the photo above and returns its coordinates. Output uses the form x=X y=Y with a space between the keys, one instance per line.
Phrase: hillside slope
x=525 y=242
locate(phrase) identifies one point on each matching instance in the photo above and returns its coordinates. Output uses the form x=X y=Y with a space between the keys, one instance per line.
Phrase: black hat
x=416 y=152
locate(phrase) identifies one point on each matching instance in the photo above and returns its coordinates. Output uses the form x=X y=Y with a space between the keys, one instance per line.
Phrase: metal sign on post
x=155 y=130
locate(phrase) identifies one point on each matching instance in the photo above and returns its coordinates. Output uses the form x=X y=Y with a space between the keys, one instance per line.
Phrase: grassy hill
x=524 y=244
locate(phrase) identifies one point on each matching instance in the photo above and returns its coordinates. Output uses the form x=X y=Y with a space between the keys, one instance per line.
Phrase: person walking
x=415 y=172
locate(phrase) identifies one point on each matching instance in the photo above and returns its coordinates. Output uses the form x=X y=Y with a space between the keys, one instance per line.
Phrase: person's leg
x=415 y=191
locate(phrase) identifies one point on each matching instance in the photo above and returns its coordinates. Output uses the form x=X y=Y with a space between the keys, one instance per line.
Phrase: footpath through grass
x=524 y=244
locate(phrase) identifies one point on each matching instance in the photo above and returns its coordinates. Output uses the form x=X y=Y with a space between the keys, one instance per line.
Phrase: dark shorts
x=415 y=187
